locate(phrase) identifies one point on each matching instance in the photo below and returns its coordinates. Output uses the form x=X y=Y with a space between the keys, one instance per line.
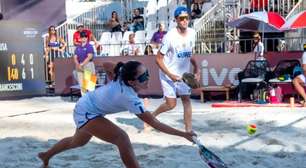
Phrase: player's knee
x=296 y=81
x=122 y=138
x=171 y=105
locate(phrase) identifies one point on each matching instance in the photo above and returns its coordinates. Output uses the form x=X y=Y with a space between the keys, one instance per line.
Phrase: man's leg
x=187 y=112
x=166 y=106
x=80 y=80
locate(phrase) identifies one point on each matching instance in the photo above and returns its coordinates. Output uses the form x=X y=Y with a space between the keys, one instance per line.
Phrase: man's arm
x=162 y=66
x=77 y=64
x=196 y=70
x=304 y=68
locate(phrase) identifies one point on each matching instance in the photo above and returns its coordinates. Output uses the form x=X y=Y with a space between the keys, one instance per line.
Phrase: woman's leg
x=80 y=138
x=105 y=130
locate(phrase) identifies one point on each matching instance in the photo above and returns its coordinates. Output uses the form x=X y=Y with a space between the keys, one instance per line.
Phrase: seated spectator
x=300 y=81
x=90 y=37
x=148 y=50
x=196 y=11
x=126 y=27
x=114 y=23
x=138 y=21
x=131 y=49
x=158 y=36
x=83 y=59
x=54 y=46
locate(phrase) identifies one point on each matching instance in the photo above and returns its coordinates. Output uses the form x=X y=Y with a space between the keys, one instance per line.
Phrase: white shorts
x=302 y=77
x=171 y=89
x=82 y=114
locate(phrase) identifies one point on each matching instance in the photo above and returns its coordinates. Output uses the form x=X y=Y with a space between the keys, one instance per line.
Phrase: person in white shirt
x=131 y=49
x=300 y=81
x=174 y=59
x=259 y=48
x=117 y=96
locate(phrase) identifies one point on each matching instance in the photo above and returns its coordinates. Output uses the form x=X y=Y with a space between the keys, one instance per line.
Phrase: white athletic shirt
x=112 y=98
x=177 y=51
x=304 y=58
x=259 y=50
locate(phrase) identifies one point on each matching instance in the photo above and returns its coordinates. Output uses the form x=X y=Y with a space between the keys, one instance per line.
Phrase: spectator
x=126 y=27
x=90 y=37
x=138 y=21
x=114 y=23
x=196 y=11
x=300 y=81
x=83 y=59
x=1 y=16
x=148 y=50
x=131 y=49
x=158 y=36
x=259 y=47
x=54 y=46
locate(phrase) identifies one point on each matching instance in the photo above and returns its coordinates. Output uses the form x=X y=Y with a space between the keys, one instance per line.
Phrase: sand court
x=29 y=126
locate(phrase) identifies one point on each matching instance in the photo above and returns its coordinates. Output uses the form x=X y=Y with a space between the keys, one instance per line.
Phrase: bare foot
x=43 y=157
x=147 y=128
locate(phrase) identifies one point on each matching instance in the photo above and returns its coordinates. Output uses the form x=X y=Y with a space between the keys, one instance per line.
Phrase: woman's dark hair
x=49 y=32
x=148 y=50
x=126 y=71
x=117 y=18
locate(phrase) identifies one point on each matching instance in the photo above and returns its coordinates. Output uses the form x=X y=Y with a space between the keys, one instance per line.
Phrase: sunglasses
x=143 y=77
x=181 y=18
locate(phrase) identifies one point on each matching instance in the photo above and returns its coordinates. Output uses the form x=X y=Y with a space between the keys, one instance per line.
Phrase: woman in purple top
x=158 y=36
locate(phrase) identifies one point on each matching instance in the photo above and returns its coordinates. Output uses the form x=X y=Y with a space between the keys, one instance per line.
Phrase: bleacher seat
x=140 y=36
x=105 y=42
x=117 y=36
x=70 y=40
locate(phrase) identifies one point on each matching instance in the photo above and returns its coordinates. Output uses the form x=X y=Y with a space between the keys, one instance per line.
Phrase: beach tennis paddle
x=211 y=159
x=190 y=80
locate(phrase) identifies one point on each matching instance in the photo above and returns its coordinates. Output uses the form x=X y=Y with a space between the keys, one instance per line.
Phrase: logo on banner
x=3 y=47
x=218 y=77
x=30 y=32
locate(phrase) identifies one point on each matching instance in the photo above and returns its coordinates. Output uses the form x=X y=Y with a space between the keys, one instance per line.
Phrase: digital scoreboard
x=21 y=60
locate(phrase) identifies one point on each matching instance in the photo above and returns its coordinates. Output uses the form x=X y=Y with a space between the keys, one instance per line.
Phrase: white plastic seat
x=140 y=36
x=105 y=37
x=117 y=37
x=105 y=42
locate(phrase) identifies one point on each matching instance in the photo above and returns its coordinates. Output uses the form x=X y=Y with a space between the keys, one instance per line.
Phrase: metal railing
x=246 y=45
